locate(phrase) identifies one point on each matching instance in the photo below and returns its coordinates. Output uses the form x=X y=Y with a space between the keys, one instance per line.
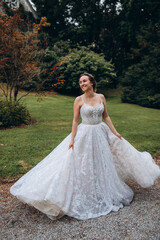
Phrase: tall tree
x=133 y=16
x=85 y=21
x=109 y=42
x=141 y=63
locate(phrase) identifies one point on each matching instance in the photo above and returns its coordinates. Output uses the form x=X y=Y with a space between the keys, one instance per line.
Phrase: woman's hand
x=71 y=145
x=118 y=135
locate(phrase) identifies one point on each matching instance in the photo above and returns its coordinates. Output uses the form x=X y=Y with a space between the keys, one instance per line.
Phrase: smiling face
x=85 y=83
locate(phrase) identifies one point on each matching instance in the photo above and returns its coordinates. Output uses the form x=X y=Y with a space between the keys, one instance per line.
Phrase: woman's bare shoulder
x=78 y=100
x=101 y=96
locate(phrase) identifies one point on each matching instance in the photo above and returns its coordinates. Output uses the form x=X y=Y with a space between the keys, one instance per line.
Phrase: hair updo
x=91 y=79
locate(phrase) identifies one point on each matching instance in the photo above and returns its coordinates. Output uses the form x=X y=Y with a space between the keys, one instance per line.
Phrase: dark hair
x=91 y=78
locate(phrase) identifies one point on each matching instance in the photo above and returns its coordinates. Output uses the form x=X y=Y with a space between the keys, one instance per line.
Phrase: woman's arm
x=107 y=119
x=75 y=120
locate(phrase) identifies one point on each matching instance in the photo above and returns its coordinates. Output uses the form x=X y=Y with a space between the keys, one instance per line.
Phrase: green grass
x=23 y=148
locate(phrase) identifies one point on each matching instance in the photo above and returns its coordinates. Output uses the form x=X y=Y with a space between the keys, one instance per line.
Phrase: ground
x=139 y=221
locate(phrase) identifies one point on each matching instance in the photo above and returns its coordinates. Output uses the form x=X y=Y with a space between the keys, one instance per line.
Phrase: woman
x=83 y=177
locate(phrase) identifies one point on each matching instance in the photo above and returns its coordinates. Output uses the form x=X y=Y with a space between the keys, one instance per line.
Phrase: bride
x=84 y=176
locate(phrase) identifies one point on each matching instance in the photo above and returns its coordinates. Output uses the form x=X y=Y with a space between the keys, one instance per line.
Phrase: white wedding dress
x=87 y=181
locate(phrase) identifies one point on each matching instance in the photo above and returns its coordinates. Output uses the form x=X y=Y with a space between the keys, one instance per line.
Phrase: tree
x=84 y=22
x=109 y=42
x=56 y=13
x=74 y=21
x=18 y=64
x=133 y=16
x=142 y=79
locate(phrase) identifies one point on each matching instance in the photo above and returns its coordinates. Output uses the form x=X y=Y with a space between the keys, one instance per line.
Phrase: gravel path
x=139 y=221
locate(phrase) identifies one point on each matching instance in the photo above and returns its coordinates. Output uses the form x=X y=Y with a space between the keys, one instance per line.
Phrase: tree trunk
x=16 y=89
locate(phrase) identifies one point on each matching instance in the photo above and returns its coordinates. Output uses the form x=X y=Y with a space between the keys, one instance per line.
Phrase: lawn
x=22 y=148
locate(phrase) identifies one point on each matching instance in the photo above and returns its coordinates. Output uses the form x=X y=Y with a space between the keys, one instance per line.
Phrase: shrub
x=79 y=61
x=142 y=83
x=13 y=114
x=143 y=98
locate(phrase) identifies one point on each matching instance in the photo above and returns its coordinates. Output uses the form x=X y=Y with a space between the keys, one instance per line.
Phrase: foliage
x=48 y=58
x=77 y=21
x=110 y=26
x=143 y=98
x=134 y=16
x=86 y=20
x=13 y=114
x=17 y=54
x=142 y=79
x=117 y=28
x=48 y=64
x=79 y=61
x=83 y=22
x=51 y=62
x=109 y=40
x=56 y=13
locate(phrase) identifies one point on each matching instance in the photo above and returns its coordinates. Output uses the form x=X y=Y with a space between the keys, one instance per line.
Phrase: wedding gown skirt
x=87 y=181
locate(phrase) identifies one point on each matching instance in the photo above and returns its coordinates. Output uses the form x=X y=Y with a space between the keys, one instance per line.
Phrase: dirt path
x=139 y=221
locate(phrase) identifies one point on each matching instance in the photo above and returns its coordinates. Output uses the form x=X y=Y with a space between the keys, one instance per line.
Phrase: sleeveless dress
x=88 y=180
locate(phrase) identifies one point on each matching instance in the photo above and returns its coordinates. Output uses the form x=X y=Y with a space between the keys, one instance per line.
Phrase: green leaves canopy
x=84 y=60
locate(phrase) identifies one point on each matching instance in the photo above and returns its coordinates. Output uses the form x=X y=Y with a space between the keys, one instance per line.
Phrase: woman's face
x=85 y=84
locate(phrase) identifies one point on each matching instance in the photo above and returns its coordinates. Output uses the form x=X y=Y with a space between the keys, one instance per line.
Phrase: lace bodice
x=91 y=114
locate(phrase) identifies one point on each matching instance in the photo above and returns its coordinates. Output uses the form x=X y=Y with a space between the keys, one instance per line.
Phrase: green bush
x=143 y=98
x=84 y=60
x=141 y=83
x=13 y=114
